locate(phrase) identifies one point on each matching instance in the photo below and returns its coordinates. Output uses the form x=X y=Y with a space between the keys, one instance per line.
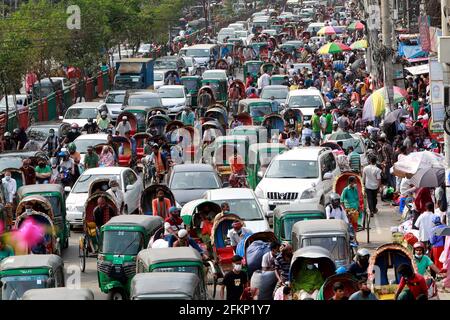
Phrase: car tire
x=117 y=294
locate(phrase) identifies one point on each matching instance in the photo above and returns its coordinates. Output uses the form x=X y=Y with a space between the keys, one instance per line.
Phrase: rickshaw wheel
x=82 y=255
x=116 y=294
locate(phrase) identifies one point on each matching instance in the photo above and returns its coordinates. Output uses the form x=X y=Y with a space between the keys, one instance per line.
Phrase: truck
x=134 y=73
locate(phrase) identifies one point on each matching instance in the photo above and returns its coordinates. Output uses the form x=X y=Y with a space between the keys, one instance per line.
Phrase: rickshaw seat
x=140 y=152
x=225 y=254
x=124 y=160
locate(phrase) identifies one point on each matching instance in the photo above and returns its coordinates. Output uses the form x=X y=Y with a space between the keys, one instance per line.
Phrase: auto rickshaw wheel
x=117 y=294
x=82 y=252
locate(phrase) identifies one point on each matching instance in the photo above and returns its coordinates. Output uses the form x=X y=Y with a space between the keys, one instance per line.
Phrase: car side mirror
x=129 y=187
x=260 y=174
x=67 y=189
x=327 y=176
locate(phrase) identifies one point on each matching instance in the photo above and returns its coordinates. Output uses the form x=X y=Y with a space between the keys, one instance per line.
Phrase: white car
x=21 y=101
x=306 y=100
x=86 y=140
x=114 y=101
x=244 y=203
x=129 y=182
x=280 y=93
x=244 y=35
x=301 y=175
x=174 y=97
x=158 y=78
x=191 y=65
x=79 y=113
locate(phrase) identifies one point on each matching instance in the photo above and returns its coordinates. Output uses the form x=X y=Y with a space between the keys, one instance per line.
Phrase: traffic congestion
x=260 y=162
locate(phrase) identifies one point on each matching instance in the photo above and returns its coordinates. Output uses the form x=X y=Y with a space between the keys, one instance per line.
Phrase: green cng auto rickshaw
x=219 y=87
x=257 y=108
x=177 y=259
x=166 y=286
x=122 y=238
x=253 y=67
x=259 y=157
x=59 y=294
x=261 y=49
x=285 y=216
x=36 y=271
x=54 y=193
x=255 y=134
x=140 y=114
x=332 y=235
x=193 y=85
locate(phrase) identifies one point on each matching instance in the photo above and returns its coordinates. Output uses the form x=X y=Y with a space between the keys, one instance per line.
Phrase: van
x=201 y=52
x=306 y=100
x=225 y=33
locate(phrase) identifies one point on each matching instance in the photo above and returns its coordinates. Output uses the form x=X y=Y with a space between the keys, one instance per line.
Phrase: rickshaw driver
x=103 y=212
x=416 y=284
x=334 y=210
x=184 y=240
x=359 y=267
x=172 y=224
x=350 y=199
x=237 y=233
x=237 y=167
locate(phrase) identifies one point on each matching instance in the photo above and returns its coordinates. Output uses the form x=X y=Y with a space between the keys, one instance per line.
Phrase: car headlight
x=308 y=193
x=71 y=208
x=259 y=193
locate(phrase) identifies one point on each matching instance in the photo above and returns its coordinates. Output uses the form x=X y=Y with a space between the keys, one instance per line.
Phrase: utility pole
x=445 y=9
x=386 y=30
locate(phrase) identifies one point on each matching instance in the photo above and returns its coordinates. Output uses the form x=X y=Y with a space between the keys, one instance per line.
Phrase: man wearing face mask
x=364 y=292
x=43 y=172
x=72 y=134
x=237 y=233
x=91 y=159
x=28 y=172
x=90 y=127
x=67 y=162
x=103 y=122
x=9 y=187
x=9 y=143
x=359 y=268
x=52 y=143
x=234 y=281
x=268 y=259
x=123 y=126
x=116 y=194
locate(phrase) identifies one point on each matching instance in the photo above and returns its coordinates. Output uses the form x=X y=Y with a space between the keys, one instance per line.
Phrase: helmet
x=363 y=252
x=182 y=233
x=16 y=130
x=72 y=147
x=53 y=162
x=7 y=134
x=51 y=131
x=418 y=245
x=74 y=126
x=334 y=197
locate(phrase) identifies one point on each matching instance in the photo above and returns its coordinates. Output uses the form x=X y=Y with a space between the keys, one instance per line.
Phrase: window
x=296 y=169
x=126 y=180
x=122 y=242
x=194 y=180
x=81 y=113
x=131 y=177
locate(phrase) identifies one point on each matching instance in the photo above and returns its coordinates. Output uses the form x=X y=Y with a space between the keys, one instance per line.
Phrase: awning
x=413 y=60
x=422 y=69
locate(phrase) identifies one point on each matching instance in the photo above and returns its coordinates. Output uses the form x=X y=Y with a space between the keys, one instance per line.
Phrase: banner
x=424 y=26
x=435 y=33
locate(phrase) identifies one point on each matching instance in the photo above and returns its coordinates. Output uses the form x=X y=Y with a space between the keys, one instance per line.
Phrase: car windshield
x=194 y=180
x=335 y=244
x=286 y=230
x=84 y=181
x=197 y=52
x=15 y=286
x=253 y=68
x=278 y=93
x=144 y=101
x=81 y=113
x=190 y=269
x=165 y=64
x=39 y=133
x=306 y=101
x=115 y=98
x=171 y=93
x=158 y=76
x=260 y=110
x=188 y=62
x=83 y=144
x=295 y=169
x=191 y=85
x=122 y=242
x=247 y=209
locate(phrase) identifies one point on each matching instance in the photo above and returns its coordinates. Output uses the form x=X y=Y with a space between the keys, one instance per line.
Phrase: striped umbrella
x=357 y=25
x=334 y=47
x=360 y=44
x=399 y=93
x=327 y=30
x=375 y=105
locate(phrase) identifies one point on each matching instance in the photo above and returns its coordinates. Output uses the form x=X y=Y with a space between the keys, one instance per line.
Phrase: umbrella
x=428 y=177
x=360 y=44
x=340 y=135
x=395 y=115
x=357 y=25
x=410 y=165
x=399 y=93
x=443 y=231
x=334 y=47
x=327 y=30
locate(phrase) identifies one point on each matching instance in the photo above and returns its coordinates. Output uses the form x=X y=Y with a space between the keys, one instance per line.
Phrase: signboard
x=424 y=25
x=436 y=131
x=436 y=71
x=438 y=113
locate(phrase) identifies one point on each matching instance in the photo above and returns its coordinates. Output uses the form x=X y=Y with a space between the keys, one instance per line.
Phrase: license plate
x=280 y=203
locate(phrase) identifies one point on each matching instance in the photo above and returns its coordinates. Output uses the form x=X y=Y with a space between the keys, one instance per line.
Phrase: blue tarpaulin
x=411 y=52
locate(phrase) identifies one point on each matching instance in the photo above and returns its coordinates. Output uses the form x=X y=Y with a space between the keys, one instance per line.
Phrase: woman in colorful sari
x=106 y=158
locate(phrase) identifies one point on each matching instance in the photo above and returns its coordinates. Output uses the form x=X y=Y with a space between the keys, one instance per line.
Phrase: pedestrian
x=339 y=292
x=354 y=159
x=425 y=224
x=234 y=281
x=315 y=123
x=372 y=181
x=293 y=141
x=387 y=155
x=437 y=242
x=351 y=201
x=268 y=259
